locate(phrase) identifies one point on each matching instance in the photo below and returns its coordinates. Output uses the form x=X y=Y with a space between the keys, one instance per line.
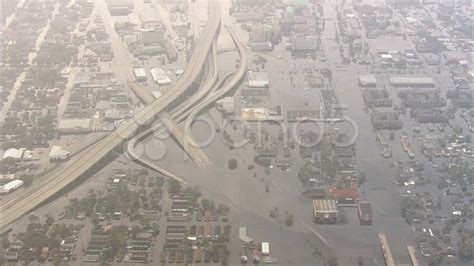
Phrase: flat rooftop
x=407 y=80
x=324 y=205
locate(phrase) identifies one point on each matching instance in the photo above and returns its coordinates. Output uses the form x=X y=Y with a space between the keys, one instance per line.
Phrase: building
x=265 y=248
x=260 y=33
x=7 y=176
x=74 y=125
x=325 y=210
x=421 y=98
x=365 y=213
x=430 y=116
x=315 y=81
x=119 y=10
x=243 y=235
x=226 y=105
x=120 y=7
x=58 y=154
x=153 y=24
x=260 y=114
x=386 y=120
x=304 y=46
x=258 y=80
x=153 y=36
x=367 y=81
x=160 y=76
x=376 y=98
x=139 y=74
x=405 y=81
x=11 y=186
x=13 y=154
x=346 y=197
x=302 y=115
x=261 y=46
x=114 y=114
x=171 y=52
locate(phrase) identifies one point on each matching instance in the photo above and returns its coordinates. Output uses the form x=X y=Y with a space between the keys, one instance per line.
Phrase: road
x=10 y=18
x=182 y=111
x=31 y=57
x=198 y=156
x=58 y=180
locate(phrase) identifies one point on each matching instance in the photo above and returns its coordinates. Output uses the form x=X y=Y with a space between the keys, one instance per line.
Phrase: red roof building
x=345 y=197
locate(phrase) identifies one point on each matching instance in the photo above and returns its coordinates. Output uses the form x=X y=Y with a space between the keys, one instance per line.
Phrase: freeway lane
x=215 y=95
x=197 y=154
x=58 y=180
x=178 y=114
x=182 y=112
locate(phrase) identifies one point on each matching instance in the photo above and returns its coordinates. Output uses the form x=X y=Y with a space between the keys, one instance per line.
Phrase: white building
x=258 y=80
x=11 y=186
x=58 y=154
x=74 y=125
x=367 y=81
x=265 y=248
x=226 y=104
x=140 y=74
x=160 y=76
x=13 y=154
x=152 y=36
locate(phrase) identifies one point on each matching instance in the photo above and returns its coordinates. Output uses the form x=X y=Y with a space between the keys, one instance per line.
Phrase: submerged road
x=197 y=154
x=210 y=90
x=60 y=179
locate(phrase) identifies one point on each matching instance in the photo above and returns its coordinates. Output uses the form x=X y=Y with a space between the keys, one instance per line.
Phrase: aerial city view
x=237 y=132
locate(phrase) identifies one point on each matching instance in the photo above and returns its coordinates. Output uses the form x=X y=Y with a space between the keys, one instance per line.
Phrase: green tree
x=174 y=187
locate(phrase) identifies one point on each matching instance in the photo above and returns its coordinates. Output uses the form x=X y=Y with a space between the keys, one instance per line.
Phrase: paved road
x=182 y=111
x=58 y=180
x=31 y=57
x=198 y=156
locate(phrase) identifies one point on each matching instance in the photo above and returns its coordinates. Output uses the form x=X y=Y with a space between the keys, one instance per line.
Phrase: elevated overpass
x=219 y=93
x=412 y=253
x=141 y=92
x=387 y=253
x=190 y=108
x=58 y=180
x=198 y=156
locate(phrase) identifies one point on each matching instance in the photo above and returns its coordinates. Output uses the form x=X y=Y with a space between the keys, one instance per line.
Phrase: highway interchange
x=60 y=179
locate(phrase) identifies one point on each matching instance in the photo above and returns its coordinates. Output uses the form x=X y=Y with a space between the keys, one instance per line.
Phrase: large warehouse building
x=160 y=76
x=405 y=81
x=11 y=186
x=325 y=210
x=258 y=80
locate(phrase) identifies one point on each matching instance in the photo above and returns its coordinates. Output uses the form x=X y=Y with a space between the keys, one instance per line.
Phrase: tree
x=466 y=245
x=27 y=179
x=174 y=187
x=5 y=244
x=207 y=204
x=49 y=220
x=435 y=260
x=232 y=164
x=225 y=256
x=289 y=220
x=362 y=178
x=155 y=227
x=332 y=261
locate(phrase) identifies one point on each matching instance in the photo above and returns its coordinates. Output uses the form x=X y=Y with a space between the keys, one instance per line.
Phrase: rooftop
x=367 y=79
x=347 y=193
x=407 y=80
x=324 y=205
